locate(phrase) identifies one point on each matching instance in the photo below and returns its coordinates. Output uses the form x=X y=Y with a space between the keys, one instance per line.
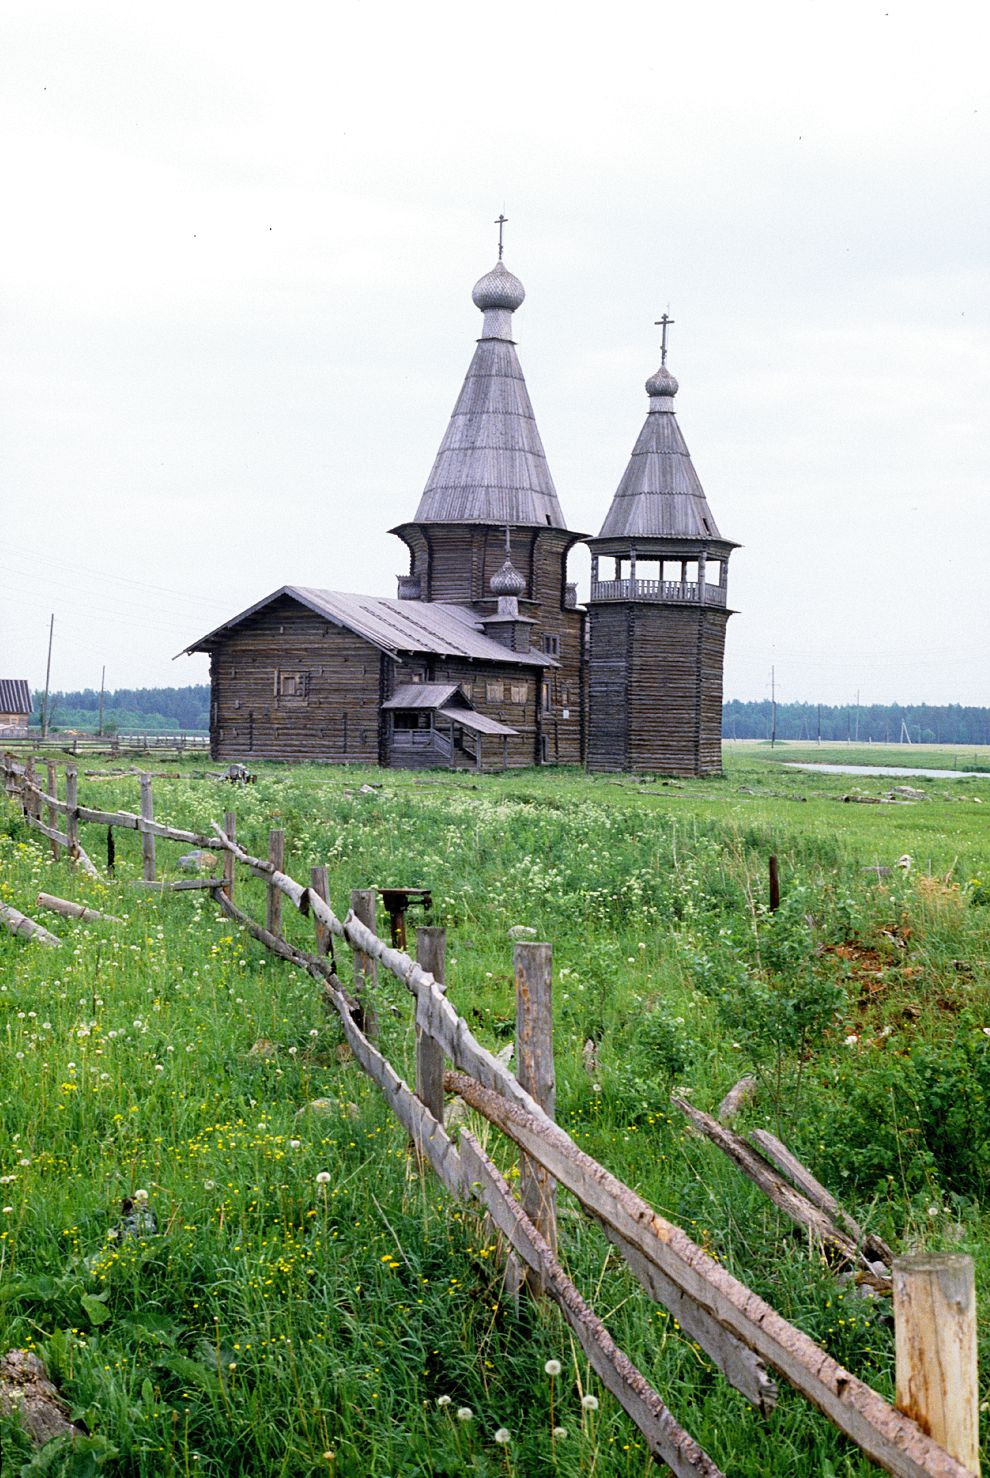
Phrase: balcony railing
x=688 y=591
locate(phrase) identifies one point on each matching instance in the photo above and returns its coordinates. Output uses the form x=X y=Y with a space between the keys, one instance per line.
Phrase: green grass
x=273 y=1318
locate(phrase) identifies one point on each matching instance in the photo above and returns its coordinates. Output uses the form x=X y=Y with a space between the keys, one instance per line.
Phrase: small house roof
x=393 y=626
x=425 y=695
x=15 y=695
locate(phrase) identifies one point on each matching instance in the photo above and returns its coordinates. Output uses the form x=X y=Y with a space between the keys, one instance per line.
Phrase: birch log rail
x=70 y=910
x=18 y=923
x=783 y=1195
x=891 y=1439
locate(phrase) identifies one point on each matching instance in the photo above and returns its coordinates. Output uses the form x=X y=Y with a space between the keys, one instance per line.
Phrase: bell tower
x=658 y=609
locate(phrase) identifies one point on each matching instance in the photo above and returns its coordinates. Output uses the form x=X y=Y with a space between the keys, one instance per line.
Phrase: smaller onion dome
x=507 y=580
x=662 y=383
x=498 y=289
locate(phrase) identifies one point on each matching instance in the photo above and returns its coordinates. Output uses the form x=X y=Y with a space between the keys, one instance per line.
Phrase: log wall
x=655 y=688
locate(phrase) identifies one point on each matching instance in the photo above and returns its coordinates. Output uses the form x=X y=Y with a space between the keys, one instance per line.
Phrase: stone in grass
x=325 y=1106
x=198 y=861
x=25 y=1390
x=521 y=931
x=137 y=1218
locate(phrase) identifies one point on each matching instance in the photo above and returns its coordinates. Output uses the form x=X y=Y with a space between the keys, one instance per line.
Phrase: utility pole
x=773 y=707
x=103 y=684
x=819 y=723
x=48 y=677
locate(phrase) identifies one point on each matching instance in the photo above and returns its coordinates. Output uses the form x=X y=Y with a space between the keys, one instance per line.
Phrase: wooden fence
x=931 y=1433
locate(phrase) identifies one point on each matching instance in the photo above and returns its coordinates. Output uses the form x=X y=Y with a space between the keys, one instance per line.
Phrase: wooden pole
x=774 y=886
x=229 y=860
x=319 y=881
x=48 y=677
x=72 y=810
x=935 y=1341
x=276 y=856
x=364 y=906
x=431 y=953
x=533 y=966
x=52 y=812
x=147 y=839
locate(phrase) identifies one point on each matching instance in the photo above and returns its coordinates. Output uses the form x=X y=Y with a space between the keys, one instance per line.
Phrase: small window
x=293 y=686
x=519 y=693
x=547 y=697
x=551 y=645
x=494 y=692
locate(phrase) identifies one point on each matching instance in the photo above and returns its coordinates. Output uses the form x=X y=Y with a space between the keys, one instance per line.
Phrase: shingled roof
x=491 y=467
x=15 y=695
x=660 y=495
x=394 y=626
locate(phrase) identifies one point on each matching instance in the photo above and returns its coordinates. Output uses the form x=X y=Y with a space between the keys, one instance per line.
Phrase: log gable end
x=289 y=685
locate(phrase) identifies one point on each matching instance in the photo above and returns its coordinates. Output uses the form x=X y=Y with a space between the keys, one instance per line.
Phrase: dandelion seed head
x=589 y=1402
x=552 y=1367
x=323 y=1178
x=503 y=1437
x=464 y=1414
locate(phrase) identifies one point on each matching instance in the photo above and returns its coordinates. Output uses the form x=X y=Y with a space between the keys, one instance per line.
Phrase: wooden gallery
x=485 y=659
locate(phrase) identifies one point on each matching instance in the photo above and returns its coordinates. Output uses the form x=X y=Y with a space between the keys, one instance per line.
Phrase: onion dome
x=662 y=383
x=507 y=580
x=498 y=289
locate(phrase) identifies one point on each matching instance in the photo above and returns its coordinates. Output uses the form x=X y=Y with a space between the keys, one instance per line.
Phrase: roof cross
x=500 y=223
x=663 y=323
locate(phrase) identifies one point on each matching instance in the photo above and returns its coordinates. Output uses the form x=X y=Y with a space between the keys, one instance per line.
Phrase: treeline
x=876 y=723
x=129 y=710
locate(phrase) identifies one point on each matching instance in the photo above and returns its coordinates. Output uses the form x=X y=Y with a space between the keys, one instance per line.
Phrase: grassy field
x=281 y=1323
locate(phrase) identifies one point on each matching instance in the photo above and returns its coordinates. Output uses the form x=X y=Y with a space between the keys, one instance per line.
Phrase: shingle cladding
x=660 y=495
x=491 y=467
x=15 y=695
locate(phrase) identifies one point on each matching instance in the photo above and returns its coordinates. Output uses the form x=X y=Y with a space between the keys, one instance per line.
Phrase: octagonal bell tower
x=658 y=609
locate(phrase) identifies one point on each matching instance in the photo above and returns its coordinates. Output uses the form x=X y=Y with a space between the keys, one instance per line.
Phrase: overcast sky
x=236 y=255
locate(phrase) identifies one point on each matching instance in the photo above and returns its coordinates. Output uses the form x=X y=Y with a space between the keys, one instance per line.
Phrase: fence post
x=935 y=1345
x=52 y=812
x=319 y=881
x=533 y=967
x=774 y=886
x=28 y=801
x=72 y=810
x=147 y=840
x=230 y=831
x=273 y=908
x=431 y=953
x=364 y=905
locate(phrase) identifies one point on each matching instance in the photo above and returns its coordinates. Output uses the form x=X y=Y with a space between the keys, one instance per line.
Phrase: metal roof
x=491 y=466
x=395 y=626
x=15 y=695
x=660 y=495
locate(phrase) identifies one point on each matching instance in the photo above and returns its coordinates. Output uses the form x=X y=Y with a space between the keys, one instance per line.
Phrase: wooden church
x=485 y=659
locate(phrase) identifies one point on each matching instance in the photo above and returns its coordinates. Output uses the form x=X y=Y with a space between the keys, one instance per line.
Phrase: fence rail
x=742 y=1334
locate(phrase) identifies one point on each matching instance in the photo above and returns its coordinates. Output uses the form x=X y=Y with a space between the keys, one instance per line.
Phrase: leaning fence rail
x=743 y=1335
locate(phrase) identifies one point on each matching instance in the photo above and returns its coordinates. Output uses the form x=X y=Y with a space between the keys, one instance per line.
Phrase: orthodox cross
x=663 y=323
x=500 y=223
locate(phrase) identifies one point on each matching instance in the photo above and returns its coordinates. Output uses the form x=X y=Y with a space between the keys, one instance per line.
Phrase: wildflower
x=209 y=1185
x=552 y=1367
x=294 y=1144
x=589 y=1402
x=851 y=1040
x=7 y=1210
x=443 y=1400
x=140 y=1196
x=323 y=1178
x=464 y=1414
x=503 y=1437
x=560 y=1433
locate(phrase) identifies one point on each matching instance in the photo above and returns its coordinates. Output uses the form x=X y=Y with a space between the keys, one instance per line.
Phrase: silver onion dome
x=507 y=580
x=662 y=383
x=498 y=289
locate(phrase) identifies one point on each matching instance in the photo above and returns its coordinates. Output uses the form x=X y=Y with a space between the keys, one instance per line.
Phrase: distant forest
x=187 y=710
x=877 y=723
x=129 y=710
